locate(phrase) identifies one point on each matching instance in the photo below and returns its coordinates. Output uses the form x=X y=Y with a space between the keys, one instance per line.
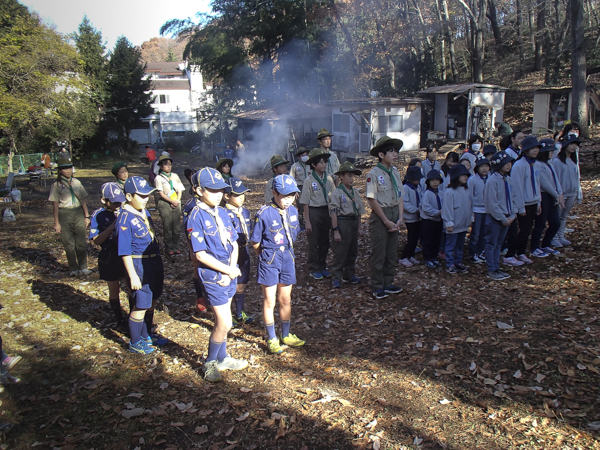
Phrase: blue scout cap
x=434 y=175
x=528 y=143
x=285 y=184
x=481 y=161
x=112 y=192
x=210 y=178
x=458 y=170
x=500 y=159
x=137 y=185
x=413 y=173
x=547 y=145
x=236 y=187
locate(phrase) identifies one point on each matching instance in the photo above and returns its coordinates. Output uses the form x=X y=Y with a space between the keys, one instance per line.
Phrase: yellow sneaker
x=273 y=346
x=293 y=341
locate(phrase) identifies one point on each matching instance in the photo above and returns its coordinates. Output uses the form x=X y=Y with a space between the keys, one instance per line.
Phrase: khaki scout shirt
x=312 y=192
x=300 y=171
x=60 y=192
x=161 y=183
x=341 y=205
x=380 y=187
x=333 y=163
x=269 y=191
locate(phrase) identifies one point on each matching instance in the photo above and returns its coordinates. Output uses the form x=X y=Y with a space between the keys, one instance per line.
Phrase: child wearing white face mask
x=474 y=151
x=300 y=172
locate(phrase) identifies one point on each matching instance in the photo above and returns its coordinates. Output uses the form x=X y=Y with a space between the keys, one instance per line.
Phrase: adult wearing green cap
x=385 y=198
x=121 y=173
x=279 y=167
x=324 y=138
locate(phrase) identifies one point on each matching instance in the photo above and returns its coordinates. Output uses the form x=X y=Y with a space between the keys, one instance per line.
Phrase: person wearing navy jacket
x=411 y=198
x=431 y=219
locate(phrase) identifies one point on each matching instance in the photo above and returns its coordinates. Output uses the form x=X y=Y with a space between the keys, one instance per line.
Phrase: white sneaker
x=415 y=262
x=565 y=242
x=85 y=272
x=556 y=243
x=569 y=230
x=524 y=259
x=230 y=363
x=512 y=261
x=405 y=262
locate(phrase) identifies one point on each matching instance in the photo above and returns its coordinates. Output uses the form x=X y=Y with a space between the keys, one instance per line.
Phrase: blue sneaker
x=379 y=294
x=551 y=251
x=156 y=340
x=336 y=284
x=141 y=348
x=325 y=274
x=353 y=280
x=430 y=264
x=392 y=289
x=317 y=275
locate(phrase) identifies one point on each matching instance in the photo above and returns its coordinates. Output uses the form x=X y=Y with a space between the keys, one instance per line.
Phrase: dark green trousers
x=318 y=240
x=73 y=236
x=384 y=249
x=345 y=252
x=171 y=222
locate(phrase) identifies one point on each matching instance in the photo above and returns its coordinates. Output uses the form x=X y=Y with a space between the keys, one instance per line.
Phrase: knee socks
x=115 y=305
x=285 y=328
x=213 y=350
x=135 y=328
x=270 y=330
x=149 y=320
x=239 y=303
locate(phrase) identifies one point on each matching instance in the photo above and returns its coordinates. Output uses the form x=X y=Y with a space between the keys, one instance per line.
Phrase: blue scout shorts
x=276 y=266
x=110 y=265
x=151 y=273
x=216 y=295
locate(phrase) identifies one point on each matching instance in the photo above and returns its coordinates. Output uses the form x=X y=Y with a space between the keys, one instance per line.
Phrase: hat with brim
x=434 y=174
x=348 y=167
x=458 y=171
x=115 y=169
x=138 y=185
x=570 y=140
x=236 y=187
x=112 y=192
x=211 y=178
x=277 y=160
x=64 y=163
x=285 y=184
x=547 y=145
x=223 y=161
x=500 y=159
x=384 y=142
x=489 y=149
x=301 y=150
x=482 y=161
x=528 y=143
x=413 y=173
x=163 y=158
x=317 y=153
x=323 y=132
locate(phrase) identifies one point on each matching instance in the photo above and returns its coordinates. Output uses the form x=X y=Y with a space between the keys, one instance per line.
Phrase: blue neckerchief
x=506 y=193
x=531 y=162
x=437 y=197
x=484 y=179
x=414 y=188
x=553 y=175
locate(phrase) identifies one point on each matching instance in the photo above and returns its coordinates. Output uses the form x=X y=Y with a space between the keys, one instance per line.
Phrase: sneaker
x=430 y=264
x=141 y=347
x=565 y=242
x=475 y=259
x=379 y=294
x=418 y=250
x=452 y=270
x=551 y=251
x=437 y=263
x=504 y=274
x=85 y=272
x=273 y=346
x=569 y=230
x=317 y=275
x=325 y=274
x=495 y=276
x=540 y=253
x=405 y=262
x=7 y=378
x=503 y=252
x=74 y=273
x=156 y=341
x=556 y=243
x=353 y=280
x=512 y=261
x=10 y=361
x=336 y=284
x=201 y=305
x=415 y=262
x=461 y=268
x=481 y=256
x=391 y=289
x=230 y=363
x=211 y=372
x=293 y=341
x=242 y=319
x=524 y=259
x=441 y=255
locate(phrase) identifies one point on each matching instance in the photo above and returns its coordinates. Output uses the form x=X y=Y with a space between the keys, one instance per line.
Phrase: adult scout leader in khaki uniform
x=324 y=138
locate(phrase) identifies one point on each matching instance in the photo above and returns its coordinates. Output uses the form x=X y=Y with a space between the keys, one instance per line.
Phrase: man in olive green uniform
x=324 y=138
x=385 y=198
x=279 y=167
x=300 y=171
x=315 y=200
x=345 y=208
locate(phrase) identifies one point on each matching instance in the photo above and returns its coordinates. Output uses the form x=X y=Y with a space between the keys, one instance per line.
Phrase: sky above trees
x=137 y=20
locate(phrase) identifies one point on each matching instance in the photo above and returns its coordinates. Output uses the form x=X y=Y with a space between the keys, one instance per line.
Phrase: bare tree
x=477 y=13
x=579 y=110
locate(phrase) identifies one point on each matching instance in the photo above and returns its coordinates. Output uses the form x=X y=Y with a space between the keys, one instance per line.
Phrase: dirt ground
x=452 y=362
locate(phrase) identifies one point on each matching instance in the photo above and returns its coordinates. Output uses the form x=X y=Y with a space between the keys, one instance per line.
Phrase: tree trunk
x=386 y=52
x=477 y=30
x=531 y=25
x=493 y=17
x=450 y=38
x=579 y=110
x=520 y=38
x=539 y=36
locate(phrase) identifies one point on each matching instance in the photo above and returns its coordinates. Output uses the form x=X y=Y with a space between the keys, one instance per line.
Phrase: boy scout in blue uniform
x=279 y=167
x=138 y=247
x=385 y=198
x=102 y=233
x=240 y=217
x=214 y=241
x=315 y=201
x=345 y=208
x=275 y=230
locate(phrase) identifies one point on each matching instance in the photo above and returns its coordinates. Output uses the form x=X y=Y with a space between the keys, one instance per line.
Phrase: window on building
x=341 y=123
x=163 y=99
x=390 y=124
